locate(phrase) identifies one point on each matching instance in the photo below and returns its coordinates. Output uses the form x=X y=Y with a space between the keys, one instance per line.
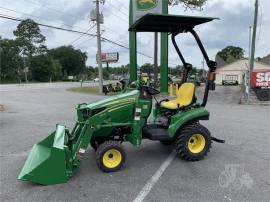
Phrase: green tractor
x=129 y=117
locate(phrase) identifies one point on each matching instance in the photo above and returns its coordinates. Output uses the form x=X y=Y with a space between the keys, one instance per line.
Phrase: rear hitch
x=217 y=140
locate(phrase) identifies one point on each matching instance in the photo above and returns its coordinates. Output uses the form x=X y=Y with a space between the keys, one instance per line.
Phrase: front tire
x=110 y=156
x=193 y=142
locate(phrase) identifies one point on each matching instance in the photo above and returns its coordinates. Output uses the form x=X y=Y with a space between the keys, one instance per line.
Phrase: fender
x=182 y=118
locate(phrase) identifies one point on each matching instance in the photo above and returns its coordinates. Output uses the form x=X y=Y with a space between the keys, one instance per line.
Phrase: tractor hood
x=114 y=100
x=84 y=110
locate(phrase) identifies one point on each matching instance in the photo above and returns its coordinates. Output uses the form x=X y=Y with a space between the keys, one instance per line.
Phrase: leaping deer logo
x=146 y=4
x=142 y=2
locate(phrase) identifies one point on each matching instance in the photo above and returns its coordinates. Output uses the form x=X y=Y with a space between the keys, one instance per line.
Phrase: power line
x=34 y=16
x=122 y=4
x=87 y=40
x=15 y=11
x=112 y=13
x=76 y=32
x=73 y=31
x=87 y=31
x=44 y=25
x=118 y=9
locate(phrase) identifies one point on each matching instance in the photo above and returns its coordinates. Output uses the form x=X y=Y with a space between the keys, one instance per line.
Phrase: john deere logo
x=146 y=4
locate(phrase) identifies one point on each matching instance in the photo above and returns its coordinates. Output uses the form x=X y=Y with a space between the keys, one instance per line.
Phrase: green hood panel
x=129 y=97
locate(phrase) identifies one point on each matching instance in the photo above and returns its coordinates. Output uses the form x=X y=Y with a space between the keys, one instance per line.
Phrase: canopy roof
x=167 y=23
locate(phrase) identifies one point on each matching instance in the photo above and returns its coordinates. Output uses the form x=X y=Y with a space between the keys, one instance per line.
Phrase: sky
x=236 y=16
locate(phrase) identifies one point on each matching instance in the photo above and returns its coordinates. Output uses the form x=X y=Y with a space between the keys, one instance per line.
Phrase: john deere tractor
x=106 y=124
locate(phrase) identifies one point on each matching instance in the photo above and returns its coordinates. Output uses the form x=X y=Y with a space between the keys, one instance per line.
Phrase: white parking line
x=153 y=180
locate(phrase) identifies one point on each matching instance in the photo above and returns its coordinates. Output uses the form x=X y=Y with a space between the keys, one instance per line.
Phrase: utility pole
x=100 y=73
x=253 y=45
x=156 y=59
x=249 y=43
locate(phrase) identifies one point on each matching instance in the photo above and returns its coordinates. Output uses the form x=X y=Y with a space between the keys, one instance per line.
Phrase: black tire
x=167 y=142
x=263 y=94
x=104 y=149
x=186 y=137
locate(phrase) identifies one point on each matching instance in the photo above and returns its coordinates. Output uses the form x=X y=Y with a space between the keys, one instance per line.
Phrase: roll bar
x=212 y=65
x=187 y=66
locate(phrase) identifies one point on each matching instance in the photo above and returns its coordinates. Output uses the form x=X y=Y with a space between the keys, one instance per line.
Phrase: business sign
x=261 y=79
x=109 y=57
x=142 y=7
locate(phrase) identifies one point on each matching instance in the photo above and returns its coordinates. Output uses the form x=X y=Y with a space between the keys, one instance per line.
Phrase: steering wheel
x=151 y=90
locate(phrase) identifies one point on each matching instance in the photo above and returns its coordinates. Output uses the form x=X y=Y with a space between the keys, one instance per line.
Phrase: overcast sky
x=232 y=29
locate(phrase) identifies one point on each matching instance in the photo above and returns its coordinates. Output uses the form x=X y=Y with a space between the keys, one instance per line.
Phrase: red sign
x=109 y=57
x=260 y=79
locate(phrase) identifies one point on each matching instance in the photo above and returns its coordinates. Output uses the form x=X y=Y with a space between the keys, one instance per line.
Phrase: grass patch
x=87 y=90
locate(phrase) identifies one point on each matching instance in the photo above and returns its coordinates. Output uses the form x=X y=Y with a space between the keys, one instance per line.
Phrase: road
x=238 y=170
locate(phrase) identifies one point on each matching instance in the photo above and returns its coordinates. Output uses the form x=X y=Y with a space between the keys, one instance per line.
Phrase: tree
x=10 y=62
x=43 y=68
x=146 y=68
x=188 y=4
x=30 y=39
x=72 y=60
x=57 y=71
x=231 y=54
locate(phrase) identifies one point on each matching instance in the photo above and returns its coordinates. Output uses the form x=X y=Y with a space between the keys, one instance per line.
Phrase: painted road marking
x=153 y=180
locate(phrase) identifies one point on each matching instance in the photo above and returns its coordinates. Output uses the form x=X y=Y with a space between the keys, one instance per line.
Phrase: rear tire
x=193 y=142
x=110 y=156
x=263 y=94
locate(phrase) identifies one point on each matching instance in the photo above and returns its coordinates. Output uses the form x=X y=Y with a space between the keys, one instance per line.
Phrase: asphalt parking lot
x=238 y=170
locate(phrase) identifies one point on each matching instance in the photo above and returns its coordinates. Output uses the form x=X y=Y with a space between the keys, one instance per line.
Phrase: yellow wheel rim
x=112 y=158
x=196 y=143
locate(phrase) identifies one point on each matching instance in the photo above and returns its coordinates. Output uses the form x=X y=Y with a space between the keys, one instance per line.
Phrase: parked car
x=229 y=82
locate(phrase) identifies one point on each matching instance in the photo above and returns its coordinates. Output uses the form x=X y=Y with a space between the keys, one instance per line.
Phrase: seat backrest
x=185 y=94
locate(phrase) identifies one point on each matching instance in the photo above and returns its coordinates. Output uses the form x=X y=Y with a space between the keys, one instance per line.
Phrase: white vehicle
x=96 y=80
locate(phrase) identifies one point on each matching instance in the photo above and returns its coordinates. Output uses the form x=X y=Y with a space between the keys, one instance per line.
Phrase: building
x=236 y=71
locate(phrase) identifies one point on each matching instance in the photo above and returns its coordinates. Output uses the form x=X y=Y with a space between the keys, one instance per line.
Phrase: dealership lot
x=238 y=170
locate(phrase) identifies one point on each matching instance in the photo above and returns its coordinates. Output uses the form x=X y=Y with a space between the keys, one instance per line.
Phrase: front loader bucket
x=47 y=161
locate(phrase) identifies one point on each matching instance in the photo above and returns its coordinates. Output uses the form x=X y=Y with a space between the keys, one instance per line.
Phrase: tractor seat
x=184 y=97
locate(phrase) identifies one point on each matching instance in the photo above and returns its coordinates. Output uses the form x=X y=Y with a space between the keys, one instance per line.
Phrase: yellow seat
x=184 y=97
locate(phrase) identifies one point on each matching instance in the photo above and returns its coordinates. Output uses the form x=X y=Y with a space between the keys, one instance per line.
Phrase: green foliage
x=189 y=4
x=11 y=63
x=106 y=74
x=231 y=54
x=29 y=38
x=57 y=71
x=147 y=68
x=72 y=60
x=43 y=68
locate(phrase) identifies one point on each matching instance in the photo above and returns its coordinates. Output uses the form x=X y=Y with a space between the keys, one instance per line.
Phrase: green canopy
x=167 y=23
